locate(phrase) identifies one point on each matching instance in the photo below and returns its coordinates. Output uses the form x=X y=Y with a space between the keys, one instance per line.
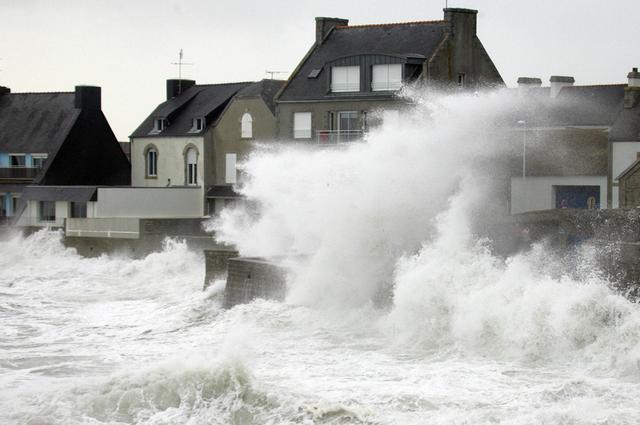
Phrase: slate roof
x=60 y=193
x=577 y=106
x=266 y=89
x=626 y=127
x=36 y=122
x=203 y=100
x=410 y=39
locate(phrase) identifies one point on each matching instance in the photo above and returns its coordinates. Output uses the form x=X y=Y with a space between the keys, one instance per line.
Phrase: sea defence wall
x=249 y=278
x=216 y=264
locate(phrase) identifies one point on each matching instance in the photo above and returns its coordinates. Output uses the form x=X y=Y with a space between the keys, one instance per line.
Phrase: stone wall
x=251 y=278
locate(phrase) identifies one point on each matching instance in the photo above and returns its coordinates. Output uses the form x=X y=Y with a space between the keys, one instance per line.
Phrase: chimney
x=4 y=90
x=558 y=82
x=527 y=83
x=632 y=91
x=88 y=97
x=175 y=87
x=462 y=22
x=325 y=25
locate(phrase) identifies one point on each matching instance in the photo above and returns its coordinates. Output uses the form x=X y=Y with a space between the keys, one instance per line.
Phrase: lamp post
x=524 y=148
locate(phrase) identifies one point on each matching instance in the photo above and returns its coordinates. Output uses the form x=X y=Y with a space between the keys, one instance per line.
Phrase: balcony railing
x=18 y=173
x=334 y=137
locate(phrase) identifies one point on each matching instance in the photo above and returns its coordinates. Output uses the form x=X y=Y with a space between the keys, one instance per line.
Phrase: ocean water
x=463 y=337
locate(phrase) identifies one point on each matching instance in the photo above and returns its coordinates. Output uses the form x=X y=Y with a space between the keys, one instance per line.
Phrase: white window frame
x=197 y=125
x=246 y=126
x=159 y=124
x=345 y=79
x=231 y=167
x=147 y=162
x=386 y=77
x=302 y=125
x=191 y=167
x=24 y=160
x=40 y=210
x=38 y=156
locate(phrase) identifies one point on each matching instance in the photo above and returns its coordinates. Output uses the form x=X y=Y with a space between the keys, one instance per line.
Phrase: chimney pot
x=527 y=83
x=634 y=78
x=175 y=87
x=325 y=25
x=88 y=98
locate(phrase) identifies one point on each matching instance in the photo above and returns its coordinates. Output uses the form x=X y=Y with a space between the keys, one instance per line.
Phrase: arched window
x=191 y=157
x=151 y=159
x=247 y=126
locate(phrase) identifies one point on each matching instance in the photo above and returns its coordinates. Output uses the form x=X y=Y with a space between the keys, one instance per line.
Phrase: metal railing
x=18 y=173
x=334 y=137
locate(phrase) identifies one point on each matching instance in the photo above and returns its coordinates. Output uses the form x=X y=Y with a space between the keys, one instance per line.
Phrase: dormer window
x=159 y=124
x=345 y=79
x=197 y=126
x=386 y=77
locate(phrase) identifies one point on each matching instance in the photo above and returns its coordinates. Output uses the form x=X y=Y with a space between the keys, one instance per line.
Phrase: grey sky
x=127 y=46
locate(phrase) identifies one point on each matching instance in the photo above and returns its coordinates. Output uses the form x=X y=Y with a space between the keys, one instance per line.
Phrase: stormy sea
x=399 y=309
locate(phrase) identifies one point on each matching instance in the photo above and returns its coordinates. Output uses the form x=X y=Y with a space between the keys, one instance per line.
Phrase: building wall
x=171 y=160
x=320 y=114
x=623 y=154
x=149 y=202
x=31 y=215
x=537 y=193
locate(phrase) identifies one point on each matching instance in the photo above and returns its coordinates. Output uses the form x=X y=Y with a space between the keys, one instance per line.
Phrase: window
x=14 y=205
x=302 y=125
x=192 y=166
x=197 y=126
x=159 y=124
x=18 y=160
x=347 y=121
x=461 y=80
x=152 y=162
x=47 y=211
x=230 y=168
x=345 y=78
x=38 y=160
x=3 y=206
x=78 y=210
x=246 y=126
x=386 y=77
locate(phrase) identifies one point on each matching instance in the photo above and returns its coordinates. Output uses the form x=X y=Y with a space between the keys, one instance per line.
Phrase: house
x=198 y=135
x=560 y=144
x=51 y=144
x=353 y=72
x=624 y=146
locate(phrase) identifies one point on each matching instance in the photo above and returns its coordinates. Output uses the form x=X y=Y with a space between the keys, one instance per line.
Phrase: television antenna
x=272 y=73
x=180 y=64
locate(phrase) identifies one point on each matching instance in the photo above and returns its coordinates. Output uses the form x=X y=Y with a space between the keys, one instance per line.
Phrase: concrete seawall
x=251 y=278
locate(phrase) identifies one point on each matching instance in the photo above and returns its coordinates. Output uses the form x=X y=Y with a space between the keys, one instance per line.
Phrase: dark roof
x=626 y=127
x=60 y=193
x=577 y=106
x=126 y=148
x=35 y=122
x=198 y=101
x=411 y=39
x=222 y=191
x=633 y=166
x=266 y=89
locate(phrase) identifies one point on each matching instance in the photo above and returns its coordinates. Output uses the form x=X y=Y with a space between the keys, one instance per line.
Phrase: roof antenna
x=272 y=73
x=180 y=64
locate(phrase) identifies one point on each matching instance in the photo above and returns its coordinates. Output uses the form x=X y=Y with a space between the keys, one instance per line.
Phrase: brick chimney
x=558 y=82
x=462 y=33
x=527 y=83
x=175 y=87
x=88 y=98
x=632 y=92
x=462 y=22
x=325 y=25
x=4 y=90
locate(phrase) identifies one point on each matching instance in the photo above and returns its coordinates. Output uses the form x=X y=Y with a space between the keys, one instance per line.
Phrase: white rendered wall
x=623 y=155
x=141 y=202
x=536 y=193
x=31 y=215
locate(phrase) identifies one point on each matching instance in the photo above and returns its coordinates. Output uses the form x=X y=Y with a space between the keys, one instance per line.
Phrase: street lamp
x=524 y=148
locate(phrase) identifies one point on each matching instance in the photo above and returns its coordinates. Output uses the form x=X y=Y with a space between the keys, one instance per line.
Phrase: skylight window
x=314 y=73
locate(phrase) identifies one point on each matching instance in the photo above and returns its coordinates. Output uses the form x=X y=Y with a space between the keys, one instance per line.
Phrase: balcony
x=335 y=137
x=18 y=173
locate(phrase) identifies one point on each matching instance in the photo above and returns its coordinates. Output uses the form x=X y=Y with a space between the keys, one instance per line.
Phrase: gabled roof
x=265 y=89
x=626 y=127
x=35 y=122
x=409 y=40
x=196 y=102
x=632 y=167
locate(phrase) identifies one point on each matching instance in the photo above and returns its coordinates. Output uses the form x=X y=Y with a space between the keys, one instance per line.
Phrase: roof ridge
x=38 y=92
x=225 y=84
x=598 y=85
x=391 y=24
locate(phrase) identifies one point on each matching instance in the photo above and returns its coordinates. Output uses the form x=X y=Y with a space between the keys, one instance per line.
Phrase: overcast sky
x=127 y=46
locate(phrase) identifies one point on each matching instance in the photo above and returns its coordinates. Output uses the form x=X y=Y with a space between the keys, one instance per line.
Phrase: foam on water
x=467 y=337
